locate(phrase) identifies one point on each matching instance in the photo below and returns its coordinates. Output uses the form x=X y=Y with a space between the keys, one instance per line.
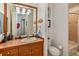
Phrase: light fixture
x=28 y=11
x=17 y=10
x=23 y=10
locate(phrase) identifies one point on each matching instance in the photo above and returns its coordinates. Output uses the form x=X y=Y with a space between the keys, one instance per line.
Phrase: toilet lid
x=54 y=51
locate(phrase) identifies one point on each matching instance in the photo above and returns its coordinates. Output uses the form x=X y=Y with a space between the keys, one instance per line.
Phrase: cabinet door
x=25 y=50
x=10 y=52
x=34 y=49
x=37 y=49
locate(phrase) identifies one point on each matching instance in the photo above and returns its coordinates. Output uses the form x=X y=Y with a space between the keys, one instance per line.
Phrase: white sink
x=1 y=37
x=29 y=40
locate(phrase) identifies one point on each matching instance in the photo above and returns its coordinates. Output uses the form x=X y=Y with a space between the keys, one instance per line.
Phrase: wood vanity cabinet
x=31 y=49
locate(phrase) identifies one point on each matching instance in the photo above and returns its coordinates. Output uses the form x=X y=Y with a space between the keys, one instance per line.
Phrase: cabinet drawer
x=10 y=52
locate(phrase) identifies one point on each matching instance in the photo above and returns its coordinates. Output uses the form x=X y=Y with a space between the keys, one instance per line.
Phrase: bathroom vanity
x=22 y=47
x=21 y=19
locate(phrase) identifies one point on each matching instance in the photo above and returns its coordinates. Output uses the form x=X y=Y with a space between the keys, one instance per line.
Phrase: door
x=21 y=24
x=73 y=21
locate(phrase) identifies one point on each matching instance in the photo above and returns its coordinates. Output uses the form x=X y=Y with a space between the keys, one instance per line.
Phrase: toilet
x=54 y=51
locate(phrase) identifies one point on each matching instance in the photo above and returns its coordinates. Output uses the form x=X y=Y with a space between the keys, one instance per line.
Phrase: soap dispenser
x=9 y=37
x=38 y=34
x=5 y=38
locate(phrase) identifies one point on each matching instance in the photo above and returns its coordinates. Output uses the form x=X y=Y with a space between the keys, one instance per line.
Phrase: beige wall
x=73 y=22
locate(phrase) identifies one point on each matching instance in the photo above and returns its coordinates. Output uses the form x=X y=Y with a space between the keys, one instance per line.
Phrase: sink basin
x=1 y=37
x=29 y=40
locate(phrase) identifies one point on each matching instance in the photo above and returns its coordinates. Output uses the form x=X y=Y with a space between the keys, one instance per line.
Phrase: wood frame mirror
x=5 y=16
x=24 y=5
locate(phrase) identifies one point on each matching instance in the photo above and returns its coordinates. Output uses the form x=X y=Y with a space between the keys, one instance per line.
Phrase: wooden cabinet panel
x=10 y=52
x=25 y=50
x=35 y=49
x=37 y=52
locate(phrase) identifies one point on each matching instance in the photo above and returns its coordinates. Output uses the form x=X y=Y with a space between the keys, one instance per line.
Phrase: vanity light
x=17 y=10
x=23 y=10
x=28 y=12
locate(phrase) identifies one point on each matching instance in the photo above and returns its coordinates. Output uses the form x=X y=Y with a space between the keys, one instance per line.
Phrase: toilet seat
x=54 y=51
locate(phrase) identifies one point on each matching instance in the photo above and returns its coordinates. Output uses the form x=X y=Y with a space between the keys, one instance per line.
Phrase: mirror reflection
x=1 y=22
x=22 y=20
x=1 y=17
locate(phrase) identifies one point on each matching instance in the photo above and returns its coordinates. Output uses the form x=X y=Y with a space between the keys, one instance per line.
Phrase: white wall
x=2 y=7
x=60 y=26
x=43 y=13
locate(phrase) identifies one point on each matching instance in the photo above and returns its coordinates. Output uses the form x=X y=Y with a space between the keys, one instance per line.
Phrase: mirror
x=1 y=22
x=2 y=18
x=23 y=19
